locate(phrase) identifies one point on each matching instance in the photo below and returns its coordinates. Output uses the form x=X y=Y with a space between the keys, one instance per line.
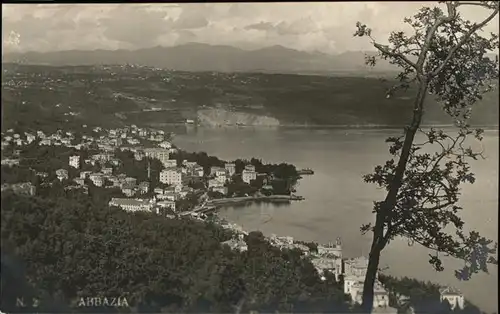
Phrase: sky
x=322 y=26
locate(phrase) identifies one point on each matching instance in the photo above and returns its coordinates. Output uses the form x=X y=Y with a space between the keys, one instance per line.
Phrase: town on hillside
x=164 y=180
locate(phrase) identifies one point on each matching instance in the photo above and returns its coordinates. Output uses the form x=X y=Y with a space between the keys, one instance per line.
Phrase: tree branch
x=463 y=40
x=384 y=49
x=430 y=33
x=478 y=3
x=436 y=207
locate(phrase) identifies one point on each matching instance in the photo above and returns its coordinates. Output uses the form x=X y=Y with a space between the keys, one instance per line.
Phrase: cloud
x=297 y=27
x=323 y=26
x=190 y=20
x=262 y=26
x=135 y=26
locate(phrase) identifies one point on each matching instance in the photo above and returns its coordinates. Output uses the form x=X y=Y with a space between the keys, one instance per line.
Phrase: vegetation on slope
x=60 y=250
x=72 y=248
x=41 y=97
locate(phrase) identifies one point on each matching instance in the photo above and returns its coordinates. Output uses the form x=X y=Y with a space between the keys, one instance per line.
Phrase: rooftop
x=129 y=186
x=175 y=169
x=449 y=291
x=386 y=309
x=218 y=169
x=156 y=150
x=129 y=202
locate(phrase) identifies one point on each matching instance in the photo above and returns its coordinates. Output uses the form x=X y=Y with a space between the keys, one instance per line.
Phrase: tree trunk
x=381 y=220
x=371 y=276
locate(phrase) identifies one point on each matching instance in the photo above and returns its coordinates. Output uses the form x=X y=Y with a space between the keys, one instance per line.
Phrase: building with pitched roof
x=453 y=296
x=131 y=204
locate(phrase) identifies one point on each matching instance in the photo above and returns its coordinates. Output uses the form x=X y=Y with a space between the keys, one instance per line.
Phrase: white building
x=285 y=240
x=221 y=177
x=247 y=176
x=144 y=187
x=453 y=296
x=217 y=171
x=30 y=138
x=157 y=153
x=114 y=180
x=185 y=191
x=102 y=157
x=230 y=168
x=167 y=204
x=250 y=168
x=62 y=174
x=333 y=265
x=45 y=142
x=354 y=275
x=171 y=163
x=220 y=189
x=115 y=162
x=189 y=164
x=74 y=161
x=130 y=204
x=387 y=310
x=380 y=295
x=10 y=162
x=172 y=189
x=236 y=244
x=198 y=171
x=97 y=179
x=171 y=176
x=214 y=183
x=156 y=138
x=131 y=181
x=79 y=181
x=356 y=266
x=128 y=190
x=85 y=174
x=165 y=145
x=139 y=155
x=350 y=282
x=171 y=196
x=331 y=249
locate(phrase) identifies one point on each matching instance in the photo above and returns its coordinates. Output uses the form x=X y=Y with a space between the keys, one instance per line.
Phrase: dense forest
x=62 y=249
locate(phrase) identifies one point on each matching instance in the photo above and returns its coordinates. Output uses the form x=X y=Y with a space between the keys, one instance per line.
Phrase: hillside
x=44 y=96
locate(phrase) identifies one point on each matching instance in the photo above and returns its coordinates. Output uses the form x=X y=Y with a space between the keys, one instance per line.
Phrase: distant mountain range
x=197 y=57
x=204 y=57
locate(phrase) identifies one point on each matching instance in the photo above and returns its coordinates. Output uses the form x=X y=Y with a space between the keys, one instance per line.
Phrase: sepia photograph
x=260 y=157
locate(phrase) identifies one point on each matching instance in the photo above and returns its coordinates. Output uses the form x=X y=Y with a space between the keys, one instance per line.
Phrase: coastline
x=316 y=126
x=245 y=199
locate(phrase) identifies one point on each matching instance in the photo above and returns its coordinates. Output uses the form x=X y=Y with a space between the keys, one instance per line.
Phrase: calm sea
x=338 y=201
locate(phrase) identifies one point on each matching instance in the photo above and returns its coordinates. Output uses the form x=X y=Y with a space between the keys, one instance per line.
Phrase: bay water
x=337 y=201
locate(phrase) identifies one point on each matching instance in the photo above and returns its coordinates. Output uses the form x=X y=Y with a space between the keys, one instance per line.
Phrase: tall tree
x=444 y=56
